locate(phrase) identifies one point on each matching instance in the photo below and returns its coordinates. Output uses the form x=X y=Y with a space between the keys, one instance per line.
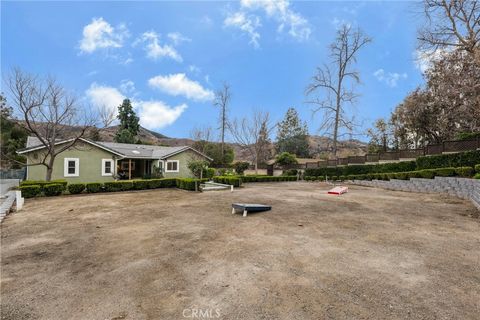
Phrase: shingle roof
x=125 y=149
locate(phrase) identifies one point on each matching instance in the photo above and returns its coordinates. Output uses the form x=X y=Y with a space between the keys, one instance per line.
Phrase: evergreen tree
x=263 y=143
x=292 y=135
x=129 y=125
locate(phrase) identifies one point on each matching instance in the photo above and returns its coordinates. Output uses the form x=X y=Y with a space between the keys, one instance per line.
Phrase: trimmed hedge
x=115 y=186
x=477 y=168
x=189 y=183
x=94 y=187
x=76 y=188
x=43 y=183
x=230 y=180
x=362 y=169
x=466 y=172
x=261 y=178
x=53 y=189
x=30 y=191
x=464 y=159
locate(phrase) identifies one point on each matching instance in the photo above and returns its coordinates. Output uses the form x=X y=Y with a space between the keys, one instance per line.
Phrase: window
x=107 y=167
x=172 y=166
x=71 y=167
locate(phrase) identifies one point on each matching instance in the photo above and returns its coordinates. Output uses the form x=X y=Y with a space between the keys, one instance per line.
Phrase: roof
x=125 y=150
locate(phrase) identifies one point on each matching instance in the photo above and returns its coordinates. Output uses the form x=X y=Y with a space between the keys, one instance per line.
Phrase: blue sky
x=169 y=57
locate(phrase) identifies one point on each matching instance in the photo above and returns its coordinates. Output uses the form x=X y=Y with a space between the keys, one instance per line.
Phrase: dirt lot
x=172 y=254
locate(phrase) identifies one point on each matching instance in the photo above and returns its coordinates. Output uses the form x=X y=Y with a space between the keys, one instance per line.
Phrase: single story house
x=95 y=161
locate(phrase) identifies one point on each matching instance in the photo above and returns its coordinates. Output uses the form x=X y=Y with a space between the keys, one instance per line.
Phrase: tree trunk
x=49 y=166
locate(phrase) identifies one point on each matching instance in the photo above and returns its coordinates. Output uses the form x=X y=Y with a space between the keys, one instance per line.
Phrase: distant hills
x=320 y=147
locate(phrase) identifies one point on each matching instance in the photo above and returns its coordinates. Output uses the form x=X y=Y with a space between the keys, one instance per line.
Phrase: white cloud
x=100 y=96
x=389 y=78
x=298 y=26
x=247 y=24
x=178 y=38
x=99 y=34
x=157 y=114
x=153 y=114
x=179 y=84
x=194 y=69
x=127 y=86
x=155 y=50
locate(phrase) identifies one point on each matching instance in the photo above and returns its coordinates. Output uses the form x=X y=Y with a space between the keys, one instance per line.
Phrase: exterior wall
x=184 y=158
x=90 y=164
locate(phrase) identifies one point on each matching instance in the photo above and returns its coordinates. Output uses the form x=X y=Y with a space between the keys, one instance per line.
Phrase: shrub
x=189 y=183
x=118 y=186
x=162 y=183
x=94 y=187
x=290 y=172
x=53 y=189
x=42 y=183
x=477 y=168
x=362 y=169
x=208 y=173
x=285 y=159
x=463 y=159
x=466 y=172
x=240 y=167
x=30 y=191
x=230 y=180
x=76 y=188
x=444 y=172
x=477 y=176
x=141 y=184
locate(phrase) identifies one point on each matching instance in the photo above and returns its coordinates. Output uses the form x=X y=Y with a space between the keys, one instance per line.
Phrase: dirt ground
x=173 y=254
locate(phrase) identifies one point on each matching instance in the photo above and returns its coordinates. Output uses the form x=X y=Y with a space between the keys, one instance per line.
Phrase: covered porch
x=132 y=168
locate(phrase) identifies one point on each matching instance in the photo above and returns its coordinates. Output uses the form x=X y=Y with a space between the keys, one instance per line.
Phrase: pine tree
x=263 y=144
x=129 y=125
x=292 y=135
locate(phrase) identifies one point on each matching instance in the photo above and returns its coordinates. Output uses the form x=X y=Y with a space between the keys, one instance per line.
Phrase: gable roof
x=124 y=150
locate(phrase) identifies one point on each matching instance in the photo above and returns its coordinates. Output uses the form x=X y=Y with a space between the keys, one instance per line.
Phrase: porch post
x=129 y=169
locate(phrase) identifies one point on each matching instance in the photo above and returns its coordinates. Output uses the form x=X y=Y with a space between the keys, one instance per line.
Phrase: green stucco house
x=95 y=161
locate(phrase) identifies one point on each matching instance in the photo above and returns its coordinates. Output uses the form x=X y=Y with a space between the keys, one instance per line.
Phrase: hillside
x=320 y=147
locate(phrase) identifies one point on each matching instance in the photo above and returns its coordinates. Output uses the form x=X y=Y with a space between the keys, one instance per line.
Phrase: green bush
x=76 y=188
x=162 y=183
x=189 y=183
x=94 y=187
x=465 y=172
x=208 y=173
x=444 y=172
x=240 y=167
x=464 y=159
x=118 y=186
x=141 y=184
x=362 y=169
x=42 y=183
x=53 y=189
x=477 y=176
x=290 y=172
x=30 y=190
x=477 y=168
x=230 y=180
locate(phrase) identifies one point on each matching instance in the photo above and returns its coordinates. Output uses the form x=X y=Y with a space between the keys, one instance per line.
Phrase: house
x=95 y=161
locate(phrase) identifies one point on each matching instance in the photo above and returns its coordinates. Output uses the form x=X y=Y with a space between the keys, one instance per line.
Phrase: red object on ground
x=338 y=190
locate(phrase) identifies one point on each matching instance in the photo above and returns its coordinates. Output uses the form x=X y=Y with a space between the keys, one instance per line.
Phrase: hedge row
x=426 y=173
x=362 y=169
x=30 y=189
x=230 y=180
x=464 y=159
x=189 y=183
x=454 y=160
x=260 y=178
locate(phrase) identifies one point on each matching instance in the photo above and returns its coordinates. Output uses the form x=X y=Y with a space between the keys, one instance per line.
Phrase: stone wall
x=459 y=187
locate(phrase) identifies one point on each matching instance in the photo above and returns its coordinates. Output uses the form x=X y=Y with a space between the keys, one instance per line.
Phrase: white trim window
x=71 y=167
x=107 y=167
x=172 y=166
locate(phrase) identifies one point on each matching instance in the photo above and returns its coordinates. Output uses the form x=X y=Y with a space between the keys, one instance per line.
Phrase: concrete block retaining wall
x=458 y=187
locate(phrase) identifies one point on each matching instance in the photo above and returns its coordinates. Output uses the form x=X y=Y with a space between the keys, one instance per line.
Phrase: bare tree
x=202 y=136
x=337 y=82
x=451 y=24
x=251 y=134
x=48 y=112
x=107 y=115
x=222 y=99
